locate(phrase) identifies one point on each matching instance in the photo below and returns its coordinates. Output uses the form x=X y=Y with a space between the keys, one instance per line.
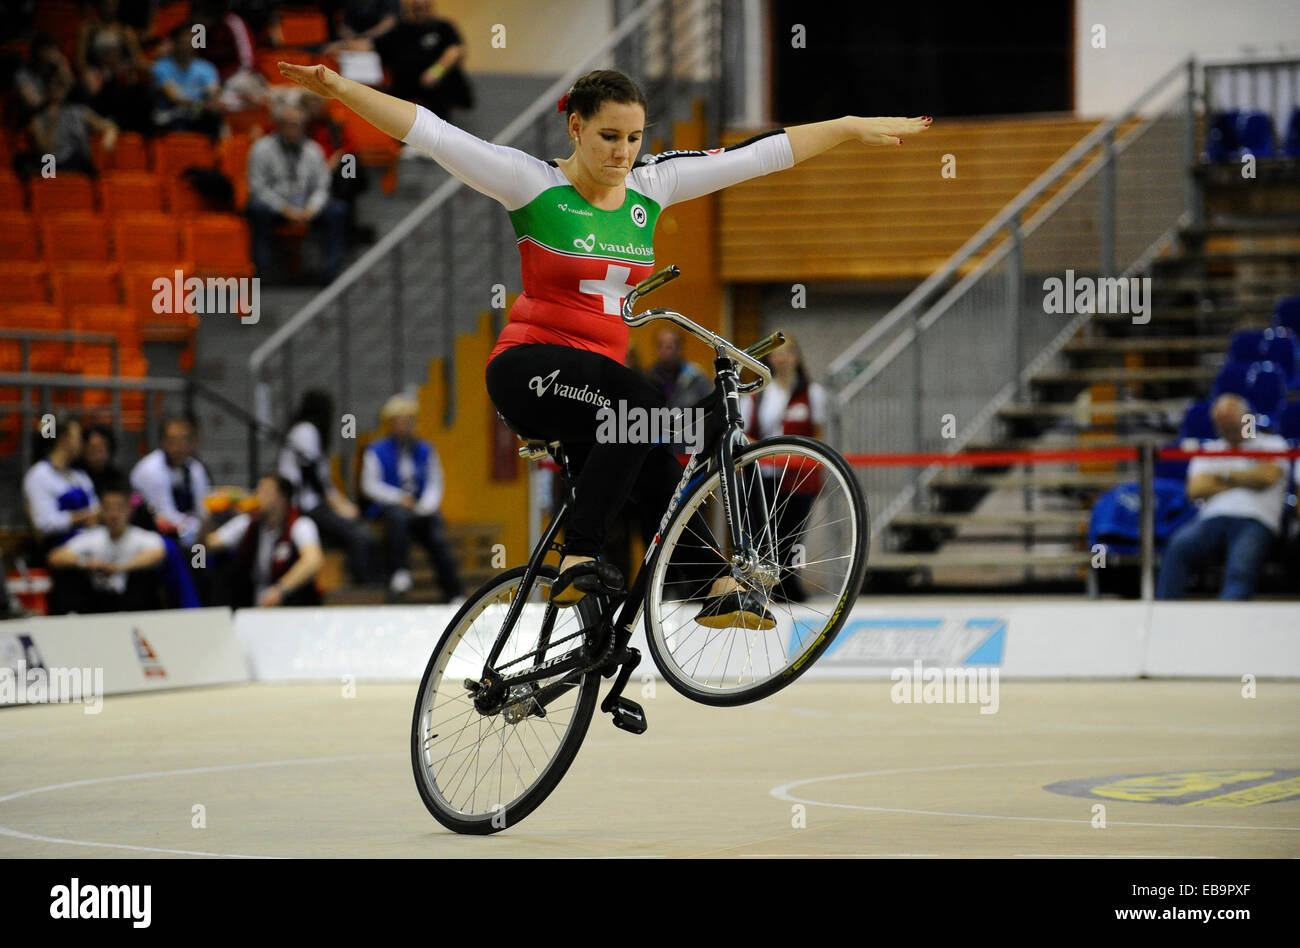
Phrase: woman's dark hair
x=106 y=433
x=317 y=407
x=591 y=91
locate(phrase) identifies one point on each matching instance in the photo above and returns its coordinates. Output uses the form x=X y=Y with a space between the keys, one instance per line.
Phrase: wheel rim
x=727 y=662
x=476 y=765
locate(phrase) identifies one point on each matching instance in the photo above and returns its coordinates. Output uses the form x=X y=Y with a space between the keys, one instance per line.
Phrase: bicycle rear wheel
x=805 y=515
x=479 y=773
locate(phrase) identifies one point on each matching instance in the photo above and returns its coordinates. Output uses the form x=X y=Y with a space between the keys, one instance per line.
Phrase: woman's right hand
x=318 y=79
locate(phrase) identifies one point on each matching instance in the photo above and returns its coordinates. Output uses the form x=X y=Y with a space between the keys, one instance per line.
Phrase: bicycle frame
x=719 y=452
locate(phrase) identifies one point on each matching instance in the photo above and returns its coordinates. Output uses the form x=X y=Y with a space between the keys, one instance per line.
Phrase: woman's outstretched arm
x=808 y=141
x=389 y=114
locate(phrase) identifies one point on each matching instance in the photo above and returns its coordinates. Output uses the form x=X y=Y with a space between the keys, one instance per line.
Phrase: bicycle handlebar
x=746 y=357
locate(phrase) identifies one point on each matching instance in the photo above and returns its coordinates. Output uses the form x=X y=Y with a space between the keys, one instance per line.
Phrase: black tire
x=584 y=614
x=843 y=601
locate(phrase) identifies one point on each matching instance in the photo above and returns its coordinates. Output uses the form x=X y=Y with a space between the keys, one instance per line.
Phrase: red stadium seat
x=19 y=237
x=84 y=284
x=44 y=355
x=303 y=28
x=73 y=237
x=267 y=59
x=219 y=244
x=13 y=196
x=168 y=17
x=116 y=321
x=176 y=151
x=129 y=154
x=130 y=192
x=233 y=162
x=64 y=192
x=182 y=199
x=148 y=238
x=24 y=282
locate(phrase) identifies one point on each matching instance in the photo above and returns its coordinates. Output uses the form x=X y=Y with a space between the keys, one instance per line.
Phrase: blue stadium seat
x=1231 y=378
x=1196 y=422
x=1280 y=347
x=1291 y=147
x=1266 y=391
x=1221 y=141
x=1245 y=346
x=1289 y=425
x=1287 y=314
x=1255 y=134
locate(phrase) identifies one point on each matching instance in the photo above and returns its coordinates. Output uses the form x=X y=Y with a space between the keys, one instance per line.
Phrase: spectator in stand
x=62 y=129
x=424 y=55
x=277 y=552
x=401 y=476
x=99 y=448
x=174 y=483
x=113 y=68
x=365 y=19
x=792 y=405
x=1241 y=512
x=229 y=43
x=189 y=88
x=347 y=181
x=60 y=498
x=289 y=180
x=304 y=464
x=112 y=567
x=32 y=79
x=682 y=384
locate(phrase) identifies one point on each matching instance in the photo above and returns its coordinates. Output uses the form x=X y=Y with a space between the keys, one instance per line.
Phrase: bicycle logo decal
x=587 y=244
x=638 y=215
x=540 y=385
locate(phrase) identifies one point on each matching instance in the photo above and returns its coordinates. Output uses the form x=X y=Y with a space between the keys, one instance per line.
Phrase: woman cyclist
x=585 y=227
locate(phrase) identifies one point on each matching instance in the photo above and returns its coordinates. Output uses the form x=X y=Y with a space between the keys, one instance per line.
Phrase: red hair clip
x=563 y=104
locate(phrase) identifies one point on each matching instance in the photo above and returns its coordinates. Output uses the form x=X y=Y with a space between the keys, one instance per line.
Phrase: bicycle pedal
x=628 y=716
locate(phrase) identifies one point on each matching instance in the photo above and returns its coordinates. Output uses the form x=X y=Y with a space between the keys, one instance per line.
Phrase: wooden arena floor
x=1182 y=769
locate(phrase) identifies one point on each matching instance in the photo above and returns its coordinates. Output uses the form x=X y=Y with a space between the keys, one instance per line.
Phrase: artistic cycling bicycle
x=511 y=687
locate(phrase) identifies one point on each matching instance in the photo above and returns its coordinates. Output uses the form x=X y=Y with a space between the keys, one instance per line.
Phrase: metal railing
x=377 y=327
x=969 y=337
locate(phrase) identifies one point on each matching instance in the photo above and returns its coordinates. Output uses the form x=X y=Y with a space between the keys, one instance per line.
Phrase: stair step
x=1218 y=343
x=1137 y=406
x=1137 y=376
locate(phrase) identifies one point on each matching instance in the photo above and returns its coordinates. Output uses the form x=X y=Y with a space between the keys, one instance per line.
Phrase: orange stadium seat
x=233 y=162
x=183 y=200
x=84 y=284
x=24 y=282
x=245 y=120
x=168 y=17
x=303 y=28
x=219 y=244
x=130 y=192
x=176 y=151
x=374 y=148
x=74 y=237
x=101 y=363
x=19 y=237
x=129 y=154
x=45 y=355
x=12 y=194
x=63 y=192
x=266 y=60
x=116 y=321
x=148 y=238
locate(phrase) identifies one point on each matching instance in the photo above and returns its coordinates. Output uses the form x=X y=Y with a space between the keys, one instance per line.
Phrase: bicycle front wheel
x=806 y=522
x=478 y=773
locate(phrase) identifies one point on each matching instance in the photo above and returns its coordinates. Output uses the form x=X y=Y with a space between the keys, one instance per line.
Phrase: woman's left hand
x=888 y=131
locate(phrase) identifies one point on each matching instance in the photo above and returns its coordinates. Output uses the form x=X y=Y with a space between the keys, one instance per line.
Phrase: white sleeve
x=232 y=531
x=301 y=447
x=504 y=174
x=88 y=543
x=431 y=499
x=817 y=403
x=675 y=176
x=373 y=484
x=155 y=489
x=304 y=533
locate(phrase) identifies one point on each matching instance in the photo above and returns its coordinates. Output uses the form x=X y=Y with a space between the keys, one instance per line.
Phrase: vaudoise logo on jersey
x=540 y=385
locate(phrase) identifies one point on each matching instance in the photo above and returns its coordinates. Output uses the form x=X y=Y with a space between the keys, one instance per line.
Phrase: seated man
x=113 y=567
x=60 y=498
x=277 y=552
x=1241 y=513
x=174 y=483
x=402 y=477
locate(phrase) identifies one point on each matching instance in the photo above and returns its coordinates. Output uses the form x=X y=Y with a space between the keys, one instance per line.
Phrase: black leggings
x=554 y=393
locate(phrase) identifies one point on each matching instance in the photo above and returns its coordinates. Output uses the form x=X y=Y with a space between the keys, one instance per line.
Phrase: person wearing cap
x=402 y=478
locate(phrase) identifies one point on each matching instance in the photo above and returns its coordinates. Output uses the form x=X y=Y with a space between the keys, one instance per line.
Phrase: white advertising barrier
x=116 y=653
x=1032 y=640
x=1214 y=639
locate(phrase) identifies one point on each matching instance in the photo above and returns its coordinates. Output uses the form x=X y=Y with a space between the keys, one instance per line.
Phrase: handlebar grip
x=764 y=346
x=656 y=280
